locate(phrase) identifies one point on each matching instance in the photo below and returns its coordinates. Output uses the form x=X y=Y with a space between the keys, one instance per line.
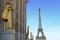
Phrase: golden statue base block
x=8 y=35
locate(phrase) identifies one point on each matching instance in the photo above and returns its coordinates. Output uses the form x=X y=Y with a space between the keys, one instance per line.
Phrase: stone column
x=25 y=2
x=20 y=19
x=23 y=19
x=16 y=21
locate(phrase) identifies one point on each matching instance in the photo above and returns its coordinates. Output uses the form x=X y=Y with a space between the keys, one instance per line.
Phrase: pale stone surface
x=8 y=35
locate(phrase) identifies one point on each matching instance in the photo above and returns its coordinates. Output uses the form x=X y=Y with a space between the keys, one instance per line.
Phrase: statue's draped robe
x=7 y=15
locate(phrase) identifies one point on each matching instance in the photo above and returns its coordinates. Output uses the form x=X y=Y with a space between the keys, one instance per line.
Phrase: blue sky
x=50 y=17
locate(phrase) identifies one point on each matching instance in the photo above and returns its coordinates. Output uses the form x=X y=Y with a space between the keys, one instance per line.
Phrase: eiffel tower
x=40 y=30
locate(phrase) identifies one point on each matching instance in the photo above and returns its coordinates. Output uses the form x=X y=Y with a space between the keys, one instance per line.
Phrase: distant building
x=31 y=36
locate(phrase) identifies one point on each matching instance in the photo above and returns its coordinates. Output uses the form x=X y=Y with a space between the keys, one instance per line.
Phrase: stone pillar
x=25 y=2
x=20 y=19
x=16 y=20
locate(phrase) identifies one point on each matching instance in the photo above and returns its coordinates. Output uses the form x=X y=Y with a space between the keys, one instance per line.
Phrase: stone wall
x=1 y=10
x=8 y=35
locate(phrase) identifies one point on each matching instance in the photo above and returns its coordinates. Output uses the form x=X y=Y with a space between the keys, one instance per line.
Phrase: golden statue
x=7 y=16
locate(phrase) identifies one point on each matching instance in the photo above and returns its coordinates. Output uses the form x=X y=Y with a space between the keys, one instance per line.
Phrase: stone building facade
x=18 y=20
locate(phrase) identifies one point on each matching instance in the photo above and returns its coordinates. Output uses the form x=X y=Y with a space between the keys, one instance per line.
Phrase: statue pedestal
x=19 y=36
x=8 y=35
x=27 y=38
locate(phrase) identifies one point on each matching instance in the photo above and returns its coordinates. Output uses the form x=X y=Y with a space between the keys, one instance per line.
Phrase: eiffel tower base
x=41 y=38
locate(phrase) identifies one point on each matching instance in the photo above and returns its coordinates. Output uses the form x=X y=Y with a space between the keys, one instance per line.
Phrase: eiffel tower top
x=39 y=20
